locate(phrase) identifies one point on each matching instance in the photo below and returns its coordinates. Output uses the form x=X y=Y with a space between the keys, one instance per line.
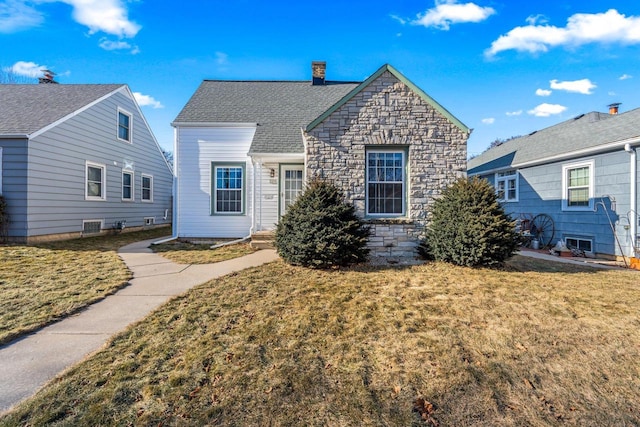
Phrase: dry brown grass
x=536 y=344
x=43 y=283
x=189 y=253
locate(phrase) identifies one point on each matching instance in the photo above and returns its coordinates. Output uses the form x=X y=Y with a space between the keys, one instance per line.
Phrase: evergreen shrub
x=469 y=226
x=321 y=230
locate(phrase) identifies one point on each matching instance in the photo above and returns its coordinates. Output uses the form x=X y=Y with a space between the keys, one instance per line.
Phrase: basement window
x=578 y=243
x=91 y=227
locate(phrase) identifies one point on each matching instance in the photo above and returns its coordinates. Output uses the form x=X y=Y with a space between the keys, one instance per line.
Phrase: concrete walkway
x=30 y=362
x=585 y=262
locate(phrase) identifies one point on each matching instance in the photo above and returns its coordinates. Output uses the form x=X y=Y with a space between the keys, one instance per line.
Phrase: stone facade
x=388 y=113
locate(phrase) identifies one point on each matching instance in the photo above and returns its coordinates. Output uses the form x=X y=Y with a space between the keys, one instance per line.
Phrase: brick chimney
x=318 y=72
x=613 y=108
x=47 y=77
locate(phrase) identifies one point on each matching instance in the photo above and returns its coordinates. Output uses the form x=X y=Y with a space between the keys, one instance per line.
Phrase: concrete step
x=263 y=240
x=262 y=245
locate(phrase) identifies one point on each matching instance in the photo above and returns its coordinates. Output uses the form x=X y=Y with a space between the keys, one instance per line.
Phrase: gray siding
x=14 y=184
x=540 y=191
x=57 y=163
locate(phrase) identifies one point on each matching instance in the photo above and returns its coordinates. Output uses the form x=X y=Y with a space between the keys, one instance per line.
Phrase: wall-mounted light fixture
x=272 y=173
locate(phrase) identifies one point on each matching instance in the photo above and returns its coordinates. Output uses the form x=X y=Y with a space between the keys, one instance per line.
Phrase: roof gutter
x=14 y=136
x=214 y=124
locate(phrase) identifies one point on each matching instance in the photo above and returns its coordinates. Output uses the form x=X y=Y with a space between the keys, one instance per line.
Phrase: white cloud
x=583 y=86
x=625 y=77
x=107 y=44
x=107 y=16
x=449 y=12
x=16 y=15
x=513 y=113
x=222 y=58
x=581 y=28
x=546 y=110
x=146 y=100
x=488 y=121
x=399 y=19
x=114 y=45
x=537 y=19
x=26 y=69
x=543 y=92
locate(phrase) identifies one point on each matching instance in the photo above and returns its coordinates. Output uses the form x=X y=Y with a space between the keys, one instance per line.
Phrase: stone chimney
x=47 y=77
x=318 y=72
x=613 y=108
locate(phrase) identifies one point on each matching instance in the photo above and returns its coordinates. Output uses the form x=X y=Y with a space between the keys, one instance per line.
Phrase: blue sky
x=504 y=68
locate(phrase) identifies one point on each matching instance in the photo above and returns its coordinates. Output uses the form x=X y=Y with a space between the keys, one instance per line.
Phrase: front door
x=291 y=183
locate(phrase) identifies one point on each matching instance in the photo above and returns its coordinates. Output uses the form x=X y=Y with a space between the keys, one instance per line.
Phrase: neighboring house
x=77 y=160
x=581 y=172
x=244 y=150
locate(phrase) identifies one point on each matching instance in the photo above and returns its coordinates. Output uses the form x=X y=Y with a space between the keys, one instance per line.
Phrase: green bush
x=320 y=229
x=469 y=227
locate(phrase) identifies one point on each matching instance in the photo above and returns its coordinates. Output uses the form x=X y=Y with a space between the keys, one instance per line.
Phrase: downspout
x=174 y=191
x=254 y=164
x=260 y=222
x=633 y=196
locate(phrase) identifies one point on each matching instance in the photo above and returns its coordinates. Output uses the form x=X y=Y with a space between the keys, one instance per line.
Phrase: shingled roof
x=280 y=108
x=571 y=137
x=25 y=109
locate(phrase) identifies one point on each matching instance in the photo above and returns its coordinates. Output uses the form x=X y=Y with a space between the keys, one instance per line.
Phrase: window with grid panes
x=386 y=183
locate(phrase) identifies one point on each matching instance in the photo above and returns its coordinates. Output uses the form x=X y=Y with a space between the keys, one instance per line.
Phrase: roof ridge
x=327 y=82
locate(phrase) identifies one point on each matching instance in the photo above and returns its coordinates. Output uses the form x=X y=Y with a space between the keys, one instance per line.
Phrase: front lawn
x=190 y=253
x=45 y=282
x=538 y=343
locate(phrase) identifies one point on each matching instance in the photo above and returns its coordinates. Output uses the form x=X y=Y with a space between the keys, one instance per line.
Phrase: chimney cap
x=47 y=77
x=613 y=107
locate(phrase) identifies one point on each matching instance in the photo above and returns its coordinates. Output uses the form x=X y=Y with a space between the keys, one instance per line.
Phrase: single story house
x=582 y=173
x=78 y=160
x=244 y=149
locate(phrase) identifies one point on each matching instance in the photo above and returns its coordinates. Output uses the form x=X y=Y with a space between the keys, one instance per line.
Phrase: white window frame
x=132 y=184
x=214 y=187
x=578 y=240
x=403 y=153
x=103 y=184
x=504 y=177
x=142 y=177
x=565 y=185
x=130 y=128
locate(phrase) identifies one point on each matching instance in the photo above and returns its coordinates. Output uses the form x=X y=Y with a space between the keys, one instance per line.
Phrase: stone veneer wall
x=387 y=113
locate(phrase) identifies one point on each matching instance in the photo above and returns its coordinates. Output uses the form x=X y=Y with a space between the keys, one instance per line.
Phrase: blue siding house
x=78 y=160
x=582 y=173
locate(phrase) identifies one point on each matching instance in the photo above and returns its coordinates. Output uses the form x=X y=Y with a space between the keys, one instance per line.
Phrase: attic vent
x=534 y=132
x=91 y=227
